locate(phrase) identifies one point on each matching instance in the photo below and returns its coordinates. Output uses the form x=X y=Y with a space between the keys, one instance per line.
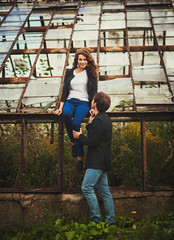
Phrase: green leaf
x=70 y=235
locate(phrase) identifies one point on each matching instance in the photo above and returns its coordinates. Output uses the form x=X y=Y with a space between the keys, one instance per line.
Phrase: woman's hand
x=58 y=111
x=77 y=134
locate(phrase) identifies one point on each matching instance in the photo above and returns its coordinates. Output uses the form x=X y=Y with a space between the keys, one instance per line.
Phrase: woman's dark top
x=91 y=85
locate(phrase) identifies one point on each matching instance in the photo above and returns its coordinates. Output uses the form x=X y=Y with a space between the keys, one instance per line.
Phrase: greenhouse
x=131 y=41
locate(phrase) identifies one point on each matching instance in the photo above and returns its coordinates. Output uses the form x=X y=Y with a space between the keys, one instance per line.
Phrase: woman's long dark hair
x=92 y=66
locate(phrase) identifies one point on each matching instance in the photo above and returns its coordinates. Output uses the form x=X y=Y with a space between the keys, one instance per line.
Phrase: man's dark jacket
x=98 y=141
x=91 y=85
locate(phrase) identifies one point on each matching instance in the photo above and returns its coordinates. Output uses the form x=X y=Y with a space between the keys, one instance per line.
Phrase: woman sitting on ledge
x=80 y=86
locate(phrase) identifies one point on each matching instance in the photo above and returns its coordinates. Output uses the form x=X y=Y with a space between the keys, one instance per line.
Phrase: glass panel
x=137 y=15
x=5 y=47
x=162 y=27
x=2 y=57
x=14 y=24
x=39 y=19
x=37 y=102
x=117 y=99
x=5 y=29
x=139 y=24
x=4 y=8
x=11 y=92
x=116 y=86
x=118 y=59
x=66 y=19
x=87 y=19
x=113 y=63
x=113 y=25
x=56 y=62
x=42 y=90
x=85 y=35
x=8 y=36
x=172 y=85
x=163 y=20
x=112 y=5
x=89 y=10
x=149 y=73
x=18 y=18
x=151 y=58
x=113 y=16
x=81 y=27
x=58 y=33
x=163 y=13
x=85 y=23
x=29 y=40
x=169 y=37
x=112 y=38
x=168 y=59
x=20 y=11
x=152 y=95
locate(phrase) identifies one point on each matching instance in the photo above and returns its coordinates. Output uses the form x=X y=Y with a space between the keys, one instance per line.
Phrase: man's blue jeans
x=99 y=178
x=74 y=111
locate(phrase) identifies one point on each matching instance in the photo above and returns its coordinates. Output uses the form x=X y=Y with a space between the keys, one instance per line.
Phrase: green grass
x=66 y=228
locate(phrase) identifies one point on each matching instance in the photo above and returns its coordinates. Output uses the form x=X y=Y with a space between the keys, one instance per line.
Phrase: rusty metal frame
x=94 y=49
x=34 y=65
x=130 y=60
x=99 y=40
x=21 y=29
x=159 y=52
x=24 y=119
x=7 y=15
x=143 y=152
x=67 y=58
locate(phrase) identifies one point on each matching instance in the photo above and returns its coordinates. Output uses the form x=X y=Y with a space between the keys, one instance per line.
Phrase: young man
x=98 y=159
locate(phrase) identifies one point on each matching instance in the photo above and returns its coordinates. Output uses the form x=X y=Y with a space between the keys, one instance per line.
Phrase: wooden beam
x=94 y=49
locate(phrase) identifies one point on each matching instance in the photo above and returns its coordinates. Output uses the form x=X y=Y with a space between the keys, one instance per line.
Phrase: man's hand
x=77 y=134
x=92 y=116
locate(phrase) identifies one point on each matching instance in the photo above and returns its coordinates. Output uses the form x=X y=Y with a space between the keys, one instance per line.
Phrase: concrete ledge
x=30 y=206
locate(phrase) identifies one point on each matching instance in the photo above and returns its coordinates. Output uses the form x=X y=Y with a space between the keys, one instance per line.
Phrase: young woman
x=80 y=86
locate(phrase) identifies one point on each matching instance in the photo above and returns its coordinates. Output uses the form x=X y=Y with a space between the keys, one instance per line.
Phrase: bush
x=41 y=169
x=126 y=228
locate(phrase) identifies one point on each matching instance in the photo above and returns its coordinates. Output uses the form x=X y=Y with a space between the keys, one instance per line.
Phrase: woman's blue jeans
x=74 y=111
x=99 y=178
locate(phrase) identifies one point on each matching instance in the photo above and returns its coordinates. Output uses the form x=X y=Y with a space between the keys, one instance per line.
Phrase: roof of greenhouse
x=132 y=41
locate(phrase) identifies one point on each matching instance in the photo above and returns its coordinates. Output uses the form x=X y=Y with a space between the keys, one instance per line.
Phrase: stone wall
x=17 y=207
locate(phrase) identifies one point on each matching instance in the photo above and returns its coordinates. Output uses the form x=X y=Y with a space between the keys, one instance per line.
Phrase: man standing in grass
x=98 y=160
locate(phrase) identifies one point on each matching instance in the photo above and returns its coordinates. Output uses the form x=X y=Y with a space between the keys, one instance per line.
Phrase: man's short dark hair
x=102 y=101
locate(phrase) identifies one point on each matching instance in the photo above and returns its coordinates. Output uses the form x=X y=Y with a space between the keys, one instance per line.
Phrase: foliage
x=126 y=154
x=123 y=105
x=44 y=69
x=22 y=69
x=42 y=163
x=126 y=228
